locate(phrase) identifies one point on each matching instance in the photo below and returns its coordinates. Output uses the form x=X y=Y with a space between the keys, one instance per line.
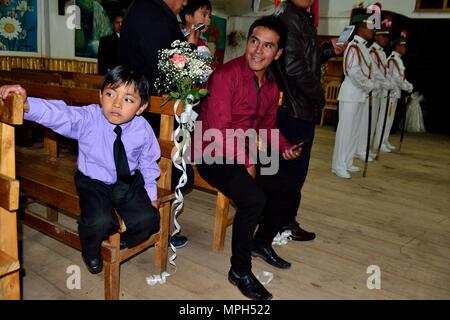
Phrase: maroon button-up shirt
x=237 y=102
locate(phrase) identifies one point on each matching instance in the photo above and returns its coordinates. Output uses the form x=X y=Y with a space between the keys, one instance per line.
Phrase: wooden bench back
x=33 y=76
x=11 y=113
x=63 y=78
x=71 y=95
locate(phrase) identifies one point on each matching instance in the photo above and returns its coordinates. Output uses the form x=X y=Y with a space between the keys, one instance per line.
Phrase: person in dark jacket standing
x=298 y=72
x=149 y=26
x=108 y=48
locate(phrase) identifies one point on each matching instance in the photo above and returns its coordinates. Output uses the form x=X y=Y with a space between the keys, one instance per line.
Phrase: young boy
x=195 y=12
x=117 y=167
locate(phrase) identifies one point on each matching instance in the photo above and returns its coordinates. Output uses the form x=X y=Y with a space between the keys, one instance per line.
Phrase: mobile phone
x=297 y=148
x=345 y=34
x=199 y=26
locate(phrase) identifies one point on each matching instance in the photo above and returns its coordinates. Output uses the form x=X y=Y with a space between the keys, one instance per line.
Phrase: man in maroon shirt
x=244 y=98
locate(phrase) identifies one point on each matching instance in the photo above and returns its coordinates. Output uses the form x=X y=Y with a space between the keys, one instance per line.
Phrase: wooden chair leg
x=112 y=269
x=161 y=246
x=11 y=286
x=52 y=214
x=10 y=282
x=221 y=221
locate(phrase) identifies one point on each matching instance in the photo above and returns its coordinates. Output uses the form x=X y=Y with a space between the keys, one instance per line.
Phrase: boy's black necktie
x=120 y=157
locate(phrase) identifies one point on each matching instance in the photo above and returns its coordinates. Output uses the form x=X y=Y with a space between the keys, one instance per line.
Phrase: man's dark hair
x=192 y=6
x=125 y=75
x=116 y=14
x=272 y=23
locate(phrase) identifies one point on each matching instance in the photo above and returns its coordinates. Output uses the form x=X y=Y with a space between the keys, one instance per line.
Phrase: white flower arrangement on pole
x=181 y=72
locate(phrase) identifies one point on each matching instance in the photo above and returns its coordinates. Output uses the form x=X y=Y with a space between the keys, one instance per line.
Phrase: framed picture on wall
x=19 y=29
x=432 y=5
x=95 y=23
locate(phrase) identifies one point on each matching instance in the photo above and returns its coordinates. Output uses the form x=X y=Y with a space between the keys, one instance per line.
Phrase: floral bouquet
x=181 y=69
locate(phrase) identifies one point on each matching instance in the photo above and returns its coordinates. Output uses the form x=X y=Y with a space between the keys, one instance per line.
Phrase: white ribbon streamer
x=185 y=126
x=282 y=238
x=265 y=277
x=155 y=279
x=183 y=131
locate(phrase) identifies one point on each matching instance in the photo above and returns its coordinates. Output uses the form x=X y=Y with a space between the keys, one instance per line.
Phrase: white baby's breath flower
x=10 y=28
x=180 y=67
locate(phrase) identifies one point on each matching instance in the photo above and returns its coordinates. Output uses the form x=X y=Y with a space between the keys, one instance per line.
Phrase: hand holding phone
x=345 y=35
x=294 y=152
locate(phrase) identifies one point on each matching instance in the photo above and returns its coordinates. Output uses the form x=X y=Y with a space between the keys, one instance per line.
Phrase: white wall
x=334 y=14
x=58 y=41
x=237 y=24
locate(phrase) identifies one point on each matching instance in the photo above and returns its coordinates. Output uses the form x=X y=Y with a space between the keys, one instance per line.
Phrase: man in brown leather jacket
x=298 y=72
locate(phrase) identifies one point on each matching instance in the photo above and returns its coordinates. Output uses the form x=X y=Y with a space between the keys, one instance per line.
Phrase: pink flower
x=178 y=60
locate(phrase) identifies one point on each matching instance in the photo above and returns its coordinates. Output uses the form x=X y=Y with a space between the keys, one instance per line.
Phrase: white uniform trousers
x=362 y=134
x=346 y=134
x=389 y=121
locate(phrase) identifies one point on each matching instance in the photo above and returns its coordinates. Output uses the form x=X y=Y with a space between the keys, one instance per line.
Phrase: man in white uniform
x=396 y=71
x=381 y=76
x=353 y=97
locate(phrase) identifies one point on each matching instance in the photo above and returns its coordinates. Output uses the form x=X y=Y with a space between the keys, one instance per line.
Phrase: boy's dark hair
x=192 y=6
x=272 y=23
x=125 y=75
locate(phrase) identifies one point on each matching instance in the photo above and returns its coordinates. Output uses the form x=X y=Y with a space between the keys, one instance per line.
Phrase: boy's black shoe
x=93 y=265
x=249 y=285
x=178 y=241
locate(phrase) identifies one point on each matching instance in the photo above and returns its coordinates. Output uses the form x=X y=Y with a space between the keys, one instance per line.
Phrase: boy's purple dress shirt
x=95 y=135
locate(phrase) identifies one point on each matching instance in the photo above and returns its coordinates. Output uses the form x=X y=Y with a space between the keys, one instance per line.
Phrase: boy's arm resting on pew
x=53 y=114
x=6 y=90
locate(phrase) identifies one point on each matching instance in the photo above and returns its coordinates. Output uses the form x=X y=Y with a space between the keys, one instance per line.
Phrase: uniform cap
x=361 y=18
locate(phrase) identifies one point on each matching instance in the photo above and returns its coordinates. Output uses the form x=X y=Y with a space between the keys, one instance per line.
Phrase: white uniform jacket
x=357 y=66
x=397 y=74
x=380 y=72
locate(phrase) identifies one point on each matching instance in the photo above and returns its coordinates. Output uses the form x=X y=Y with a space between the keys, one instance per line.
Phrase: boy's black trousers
x=98 y=220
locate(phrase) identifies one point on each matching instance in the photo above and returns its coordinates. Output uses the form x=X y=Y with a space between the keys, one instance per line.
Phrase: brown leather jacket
x=298 y=69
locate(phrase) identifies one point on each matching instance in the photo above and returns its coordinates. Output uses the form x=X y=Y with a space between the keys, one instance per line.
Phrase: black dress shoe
x=297 y=233
x=270 y=256
x=249 y=285
x=93 y=265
